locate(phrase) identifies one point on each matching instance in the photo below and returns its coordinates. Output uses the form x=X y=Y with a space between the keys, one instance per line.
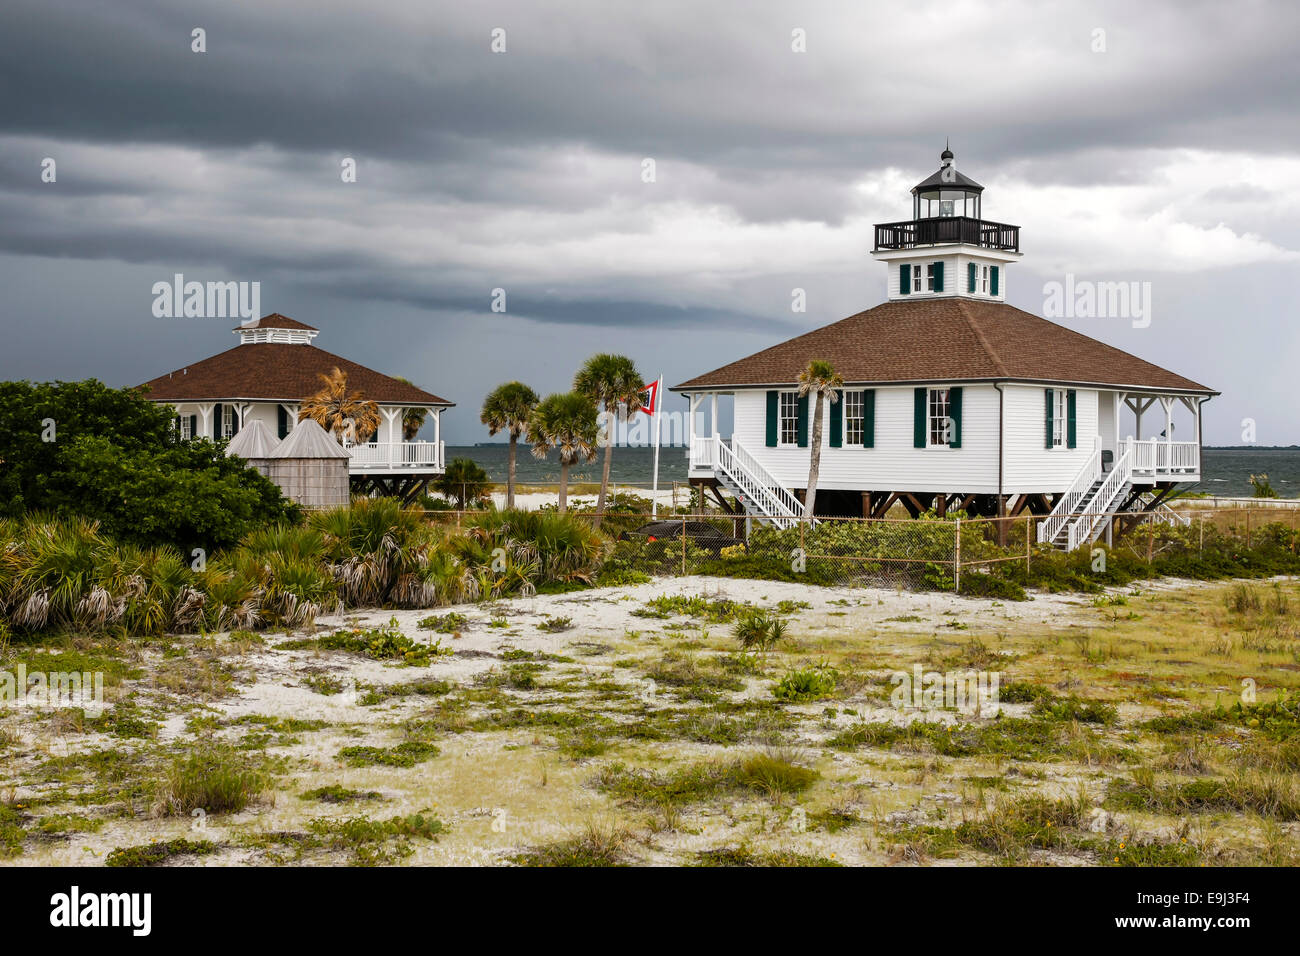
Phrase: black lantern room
x=946 y=193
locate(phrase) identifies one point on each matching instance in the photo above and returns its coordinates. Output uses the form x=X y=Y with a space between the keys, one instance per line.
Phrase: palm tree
x=565 y=422
x=508 y=407
x=465 y=481
x=337 y=410
x=609 y=380
x=818 y=379
x=413 y=418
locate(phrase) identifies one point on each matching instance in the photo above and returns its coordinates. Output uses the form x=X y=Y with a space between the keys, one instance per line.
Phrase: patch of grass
x=449 y=623
x=596 y=846
x=744 y=855
x=212 y=779
x=337 y=793
x=383 y=643
x=677 y=605
x=1272 y=796
x=1073 y=708
x=406 y=754
x=157 y=854
x=375 y=842
x=691 y=678
x=555 y=624
x=769 y=774
x=809 y=683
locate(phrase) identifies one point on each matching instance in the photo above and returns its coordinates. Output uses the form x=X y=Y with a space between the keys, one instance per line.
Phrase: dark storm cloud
x=522 y=170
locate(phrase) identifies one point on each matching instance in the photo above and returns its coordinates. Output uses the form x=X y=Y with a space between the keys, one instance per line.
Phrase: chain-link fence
x=965 y=555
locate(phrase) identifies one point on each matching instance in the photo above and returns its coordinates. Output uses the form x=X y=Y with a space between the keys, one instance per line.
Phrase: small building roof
x=278 y=372
x=275 y=321
x=946 y=340
x=945 y=178
x=308 y=440
x=254 y=441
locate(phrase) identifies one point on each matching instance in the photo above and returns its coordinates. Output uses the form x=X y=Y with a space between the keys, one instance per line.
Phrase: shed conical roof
x=308 y=440
x=253 y=441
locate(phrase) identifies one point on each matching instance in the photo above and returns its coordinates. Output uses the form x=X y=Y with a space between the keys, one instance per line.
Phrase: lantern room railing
x=928 y=232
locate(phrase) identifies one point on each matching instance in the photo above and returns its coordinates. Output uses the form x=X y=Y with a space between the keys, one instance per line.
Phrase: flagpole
x=654 y=495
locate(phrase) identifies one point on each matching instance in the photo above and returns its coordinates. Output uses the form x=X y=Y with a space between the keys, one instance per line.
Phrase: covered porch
x=1139 y=427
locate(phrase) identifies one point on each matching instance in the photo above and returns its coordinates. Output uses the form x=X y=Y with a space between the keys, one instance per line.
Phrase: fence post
x=956 y=587
x=1151 y=537
x=1247 y=529
x=683 y=545
x=1029 y=531
x=1201 y=547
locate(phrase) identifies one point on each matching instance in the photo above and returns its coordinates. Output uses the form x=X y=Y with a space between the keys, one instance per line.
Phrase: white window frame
x=185 y=427
x=984 y=280
x=1059 y=405
x=938 y=406
x=790 y=401
x=852 y=417
x=227 y=421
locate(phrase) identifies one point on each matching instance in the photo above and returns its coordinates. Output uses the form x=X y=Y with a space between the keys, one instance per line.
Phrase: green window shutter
x=954 y=412
x=904 y=278
x=803 y=421
x=837 y=423
x=993 y=281
x=1047 y=394
x=869 y=418
x=920 y=424
x=234 y=424
x=971 y=270
x=194 y=426
x=281 y=421
x=216 y=422
x=1069 y=419
x=938 y=277
x=773 y=408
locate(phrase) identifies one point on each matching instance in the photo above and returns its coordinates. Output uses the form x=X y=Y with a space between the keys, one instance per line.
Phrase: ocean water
x=1226 y=471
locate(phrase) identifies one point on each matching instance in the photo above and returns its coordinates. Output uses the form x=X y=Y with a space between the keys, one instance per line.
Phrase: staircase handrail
x=1120 y=475
x=1068 y=503
x=772 y=498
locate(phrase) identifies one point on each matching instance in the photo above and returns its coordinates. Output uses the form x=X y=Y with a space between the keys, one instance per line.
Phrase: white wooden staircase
x=1085 y=511
x=752 y=485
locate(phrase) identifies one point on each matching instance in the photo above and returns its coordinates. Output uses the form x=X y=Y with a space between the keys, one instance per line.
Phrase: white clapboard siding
x=894 y=464
x=954 y=276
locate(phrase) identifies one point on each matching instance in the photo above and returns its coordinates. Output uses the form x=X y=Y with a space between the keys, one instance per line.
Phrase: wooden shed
x=254 y=444
x=310 y=467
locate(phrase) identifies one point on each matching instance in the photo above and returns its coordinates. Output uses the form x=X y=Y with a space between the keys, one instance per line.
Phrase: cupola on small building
x=953 y=399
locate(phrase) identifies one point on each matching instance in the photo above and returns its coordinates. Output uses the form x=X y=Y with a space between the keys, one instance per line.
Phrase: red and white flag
x=651 y=403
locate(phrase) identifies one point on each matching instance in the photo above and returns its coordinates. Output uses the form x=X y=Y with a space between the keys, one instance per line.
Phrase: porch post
x=437 y=437
x=713 y=420
x=393 y=442
x=205 y=412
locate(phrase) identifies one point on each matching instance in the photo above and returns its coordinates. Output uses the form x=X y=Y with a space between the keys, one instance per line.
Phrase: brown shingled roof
x=278 y=372
x=946 y=340
x=276 y=321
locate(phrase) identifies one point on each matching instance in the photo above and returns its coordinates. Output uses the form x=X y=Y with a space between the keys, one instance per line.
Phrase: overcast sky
x=1170 y=158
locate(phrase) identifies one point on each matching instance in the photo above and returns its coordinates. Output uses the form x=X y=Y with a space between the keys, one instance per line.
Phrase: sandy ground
x=482 y=779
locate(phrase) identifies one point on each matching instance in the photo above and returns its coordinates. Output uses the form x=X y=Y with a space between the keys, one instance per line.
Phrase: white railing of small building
x=398 y=454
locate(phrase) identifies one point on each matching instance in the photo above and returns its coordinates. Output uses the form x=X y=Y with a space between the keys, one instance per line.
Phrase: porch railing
x=397 y=454
x=1155 y=458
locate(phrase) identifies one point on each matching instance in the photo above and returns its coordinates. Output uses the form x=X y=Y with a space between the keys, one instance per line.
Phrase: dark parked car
x=701 y=533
